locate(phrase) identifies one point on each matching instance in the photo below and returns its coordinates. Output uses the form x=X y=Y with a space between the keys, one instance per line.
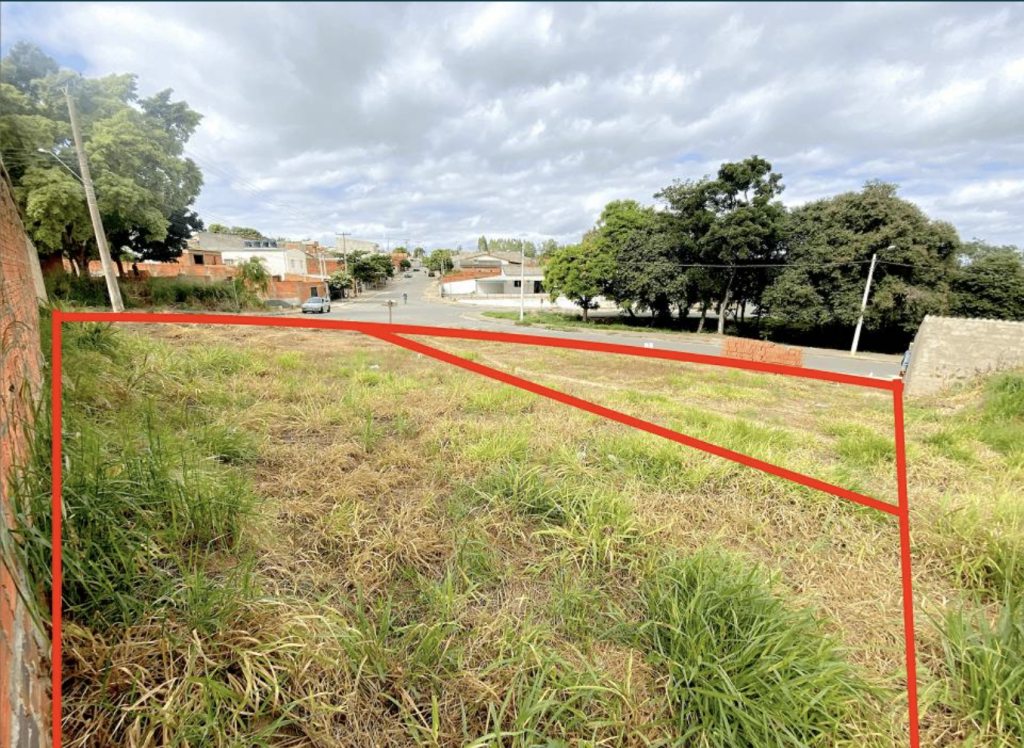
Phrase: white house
x=494 y=274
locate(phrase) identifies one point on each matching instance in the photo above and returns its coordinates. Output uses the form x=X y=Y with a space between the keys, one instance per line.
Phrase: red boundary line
x=391 y=334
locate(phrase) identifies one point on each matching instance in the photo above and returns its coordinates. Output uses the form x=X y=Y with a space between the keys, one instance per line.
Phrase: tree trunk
x=721 y=313
x=743 y=311
x=120 y=267
x=724 y=305
x=703 y=316
x=586 y=310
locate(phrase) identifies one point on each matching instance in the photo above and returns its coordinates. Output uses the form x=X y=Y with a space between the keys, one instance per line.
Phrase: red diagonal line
x=637 y=423
x=378 y=328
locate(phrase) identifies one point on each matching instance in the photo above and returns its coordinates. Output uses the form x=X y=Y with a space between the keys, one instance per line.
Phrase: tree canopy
x=830 y=247
x=579 y=272
x=989 y=282
x=145 y=186
x=727 y=243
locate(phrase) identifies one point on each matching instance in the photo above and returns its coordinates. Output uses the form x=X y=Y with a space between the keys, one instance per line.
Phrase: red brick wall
x=760 y=350
x=24 y=700
x=470 y=274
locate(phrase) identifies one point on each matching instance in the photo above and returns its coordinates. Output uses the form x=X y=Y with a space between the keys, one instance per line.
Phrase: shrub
x=745 y=670
x=986 y=662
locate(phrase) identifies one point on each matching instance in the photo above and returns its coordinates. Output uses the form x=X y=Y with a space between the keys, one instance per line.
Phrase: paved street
x=423 y=308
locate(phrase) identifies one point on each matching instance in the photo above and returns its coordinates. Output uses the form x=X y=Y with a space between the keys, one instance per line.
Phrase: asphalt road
x=422 y=307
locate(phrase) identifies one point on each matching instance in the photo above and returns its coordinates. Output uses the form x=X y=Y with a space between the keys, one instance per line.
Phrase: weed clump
x=986 y=663
x=743 y=669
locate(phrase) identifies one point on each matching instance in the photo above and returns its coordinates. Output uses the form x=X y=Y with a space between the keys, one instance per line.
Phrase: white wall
x=278 y=261
x=461 y=286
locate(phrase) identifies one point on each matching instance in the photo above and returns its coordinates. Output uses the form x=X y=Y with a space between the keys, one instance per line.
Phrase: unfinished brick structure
x=760 y=350
x=24 y=699
x=949 y=351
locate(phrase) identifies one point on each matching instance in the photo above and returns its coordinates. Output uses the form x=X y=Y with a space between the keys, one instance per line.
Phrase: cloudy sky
x=438 y=123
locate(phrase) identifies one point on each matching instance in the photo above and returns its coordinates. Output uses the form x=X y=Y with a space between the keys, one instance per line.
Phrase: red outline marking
x=371 y=328
x=905 y=573
x=56 y=604
x=637 y=423
x=391 y=334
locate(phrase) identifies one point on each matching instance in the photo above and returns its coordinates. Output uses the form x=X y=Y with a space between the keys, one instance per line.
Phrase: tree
x=218 y=228
x=830 y=246
x=404 y=264
x=548 y=246
x=580 y=273
x=733 y=220
x=253 y=274
x=481 y=244
x=340 y=281
x=181 y=226
x=440 y=260
x=419 y=253
x=370 y=269
x=25 y=64
x=989 y=282
x=135 y=147
x=246 y=232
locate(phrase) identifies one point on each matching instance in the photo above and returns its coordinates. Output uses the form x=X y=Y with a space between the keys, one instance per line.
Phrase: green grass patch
x=986 y=663
x=744 y=669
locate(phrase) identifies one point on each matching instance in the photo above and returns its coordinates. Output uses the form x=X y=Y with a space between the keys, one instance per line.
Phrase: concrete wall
x=947 y=350
x=24 y=699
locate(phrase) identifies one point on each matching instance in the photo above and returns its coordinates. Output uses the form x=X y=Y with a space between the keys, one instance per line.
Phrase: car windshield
x=313 y=300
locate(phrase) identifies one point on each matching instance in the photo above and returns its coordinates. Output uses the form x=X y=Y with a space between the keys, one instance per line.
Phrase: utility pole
x=94 y=211
x=864 y=302
x=522 y=278
x=344 y=255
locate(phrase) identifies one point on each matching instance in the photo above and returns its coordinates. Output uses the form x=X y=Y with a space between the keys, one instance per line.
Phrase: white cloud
x=446 y=121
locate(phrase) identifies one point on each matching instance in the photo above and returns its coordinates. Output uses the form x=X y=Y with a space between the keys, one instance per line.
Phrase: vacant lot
x=314 y=538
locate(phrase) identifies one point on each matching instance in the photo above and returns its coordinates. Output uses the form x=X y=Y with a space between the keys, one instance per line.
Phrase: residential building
x=494 y=274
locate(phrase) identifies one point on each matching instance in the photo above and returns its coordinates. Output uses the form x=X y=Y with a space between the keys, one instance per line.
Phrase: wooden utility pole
x=94 y=211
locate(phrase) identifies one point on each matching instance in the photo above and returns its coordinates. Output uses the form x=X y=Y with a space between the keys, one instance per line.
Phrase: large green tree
x=989 y=282
x=734 y=221
x=145 y=186
x=440 y=260
x=580 y=273
x=830 y=247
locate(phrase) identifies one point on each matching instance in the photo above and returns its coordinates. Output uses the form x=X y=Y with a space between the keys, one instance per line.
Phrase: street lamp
x=864 y=301
x=59 y=161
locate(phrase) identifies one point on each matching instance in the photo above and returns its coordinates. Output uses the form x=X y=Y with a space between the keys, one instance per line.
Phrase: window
x=199 y=259
x=538 y=286
x=313 y=292
x=517 y=284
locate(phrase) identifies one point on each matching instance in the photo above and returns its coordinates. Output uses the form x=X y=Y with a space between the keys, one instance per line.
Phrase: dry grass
x=438 y=559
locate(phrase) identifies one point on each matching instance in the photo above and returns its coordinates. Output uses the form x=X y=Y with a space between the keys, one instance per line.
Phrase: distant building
x=494 y=274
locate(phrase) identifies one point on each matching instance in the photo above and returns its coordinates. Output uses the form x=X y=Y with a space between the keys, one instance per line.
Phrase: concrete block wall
x=24 y=666
x=760 y=350
x=950 y=350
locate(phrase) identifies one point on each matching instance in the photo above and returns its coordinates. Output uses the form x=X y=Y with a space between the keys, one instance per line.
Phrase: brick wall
x=948 y=350
x=24 y=700
x=760 y=350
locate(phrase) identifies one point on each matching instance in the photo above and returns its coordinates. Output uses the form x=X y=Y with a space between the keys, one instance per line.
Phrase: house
x=287 y=262
x=494 y=274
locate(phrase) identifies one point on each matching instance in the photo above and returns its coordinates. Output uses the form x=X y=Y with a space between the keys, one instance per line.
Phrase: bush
x=138 y=293
x=746 y=671
x=1002 y=422
x=142 y=502
x=986 y=662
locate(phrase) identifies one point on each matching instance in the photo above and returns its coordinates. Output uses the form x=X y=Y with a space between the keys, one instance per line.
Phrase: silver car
x=316 y=304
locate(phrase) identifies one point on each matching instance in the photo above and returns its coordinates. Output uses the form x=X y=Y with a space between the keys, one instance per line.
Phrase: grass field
x=289 y=538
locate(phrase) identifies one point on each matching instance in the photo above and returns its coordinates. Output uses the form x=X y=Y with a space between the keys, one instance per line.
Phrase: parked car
x=415 y=270
x=316 y=304
x=408 y=275
x=430 y=274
